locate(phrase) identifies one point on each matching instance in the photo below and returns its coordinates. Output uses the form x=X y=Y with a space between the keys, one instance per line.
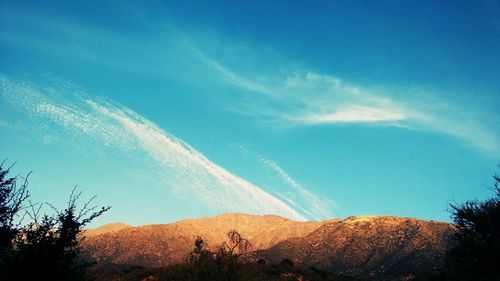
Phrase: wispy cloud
x=187 y=170
x=299 y=196
x=286 y=187
x=306 y=98
x=288 y=96
x=230 y=76
x=351 y=114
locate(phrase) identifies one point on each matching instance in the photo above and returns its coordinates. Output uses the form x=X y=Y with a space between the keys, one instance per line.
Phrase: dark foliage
x=475 y=251
x=47 y=248
x=261 y=261
x=248 y=271
x=12 y=198
x=223 y=264
x=229 y=262
x=286 y=263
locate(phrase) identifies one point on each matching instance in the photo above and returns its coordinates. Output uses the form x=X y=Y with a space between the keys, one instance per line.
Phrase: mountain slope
x=156 y=245
x=369 y=247
x=107 y=228
x=366 y=247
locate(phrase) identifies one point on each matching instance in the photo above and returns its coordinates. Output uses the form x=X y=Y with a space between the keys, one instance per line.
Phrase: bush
x=475 y=251
x=223 y=264
x=286 y=263
x=47 y=248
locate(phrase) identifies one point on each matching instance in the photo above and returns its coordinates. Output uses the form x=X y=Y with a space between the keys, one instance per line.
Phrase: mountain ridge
x=358 y=246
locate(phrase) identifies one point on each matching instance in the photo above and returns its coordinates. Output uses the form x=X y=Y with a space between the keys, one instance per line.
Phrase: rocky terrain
x=364 y=247
x=158 y=245
x=369 y=247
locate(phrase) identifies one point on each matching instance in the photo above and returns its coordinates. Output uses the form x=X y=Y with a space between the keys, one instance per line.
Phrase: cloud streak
x=287 y=188
x=188 y=171
x=299 y=196
x=306 y=98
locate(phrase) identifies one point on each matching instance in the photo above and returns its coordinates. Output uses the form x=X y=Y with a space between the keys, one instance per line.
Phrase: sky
x=179 y=109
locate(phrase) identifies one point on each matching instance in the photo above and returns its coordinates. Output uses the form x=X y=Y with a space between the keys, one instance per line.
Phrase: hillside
x=107 y=228
x=365 y=247
x=368 y=247
x=157 y=245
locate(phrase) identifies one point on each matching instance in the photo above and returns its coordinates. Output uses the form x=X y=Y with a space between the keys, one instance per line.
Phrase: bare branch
x=35 y=213
x=85 y=209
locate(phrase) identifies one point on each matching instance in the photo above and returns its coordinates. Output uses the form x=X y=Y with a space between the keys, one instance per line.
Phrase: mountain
x=156 y=245
x=107 y=228
x=363 y=247
x=369 y=247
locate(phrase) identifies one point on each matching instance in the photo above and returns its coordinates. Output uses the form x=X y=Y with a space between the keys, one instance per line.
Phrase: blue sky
x=310 y=111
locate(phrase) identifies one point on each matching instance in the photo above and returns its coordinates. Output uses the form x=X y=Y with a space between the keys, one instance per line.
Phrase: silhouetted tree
x=47 y=248
x=228 y=255
x=12 y=198
x=221 y=265
x=202 y=262
x=475 y=251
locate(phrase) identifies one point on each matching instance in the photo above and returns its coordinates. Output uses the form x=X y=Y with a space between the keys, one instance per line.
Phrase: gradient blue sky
x=309 y=111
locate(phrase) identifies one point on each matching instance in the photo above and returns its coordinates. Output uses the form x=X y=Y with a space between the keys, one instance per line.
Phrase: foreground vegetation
x=47 y=247
x=246 y=272
x=230 y=261
x=475 y=247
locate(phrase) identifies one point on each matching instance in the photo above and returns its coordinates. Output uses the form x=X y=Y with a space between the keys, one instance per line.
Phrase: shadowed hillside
x=369 y=247
x=248 y=272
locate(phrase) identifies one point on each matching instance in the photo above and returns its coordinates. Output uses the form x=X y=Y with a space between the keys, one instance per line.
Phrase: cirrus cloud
x=188 y=171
